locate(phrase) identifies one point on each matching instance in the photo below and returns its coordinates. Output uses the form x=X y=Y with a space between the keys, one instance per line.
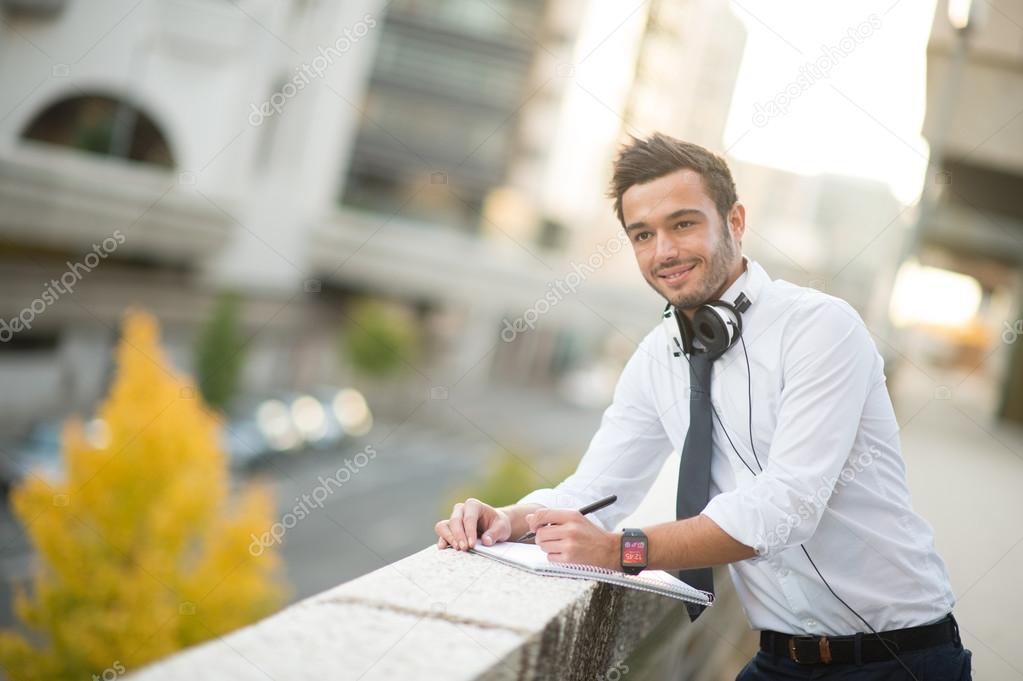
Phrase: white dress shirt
x=833 y=478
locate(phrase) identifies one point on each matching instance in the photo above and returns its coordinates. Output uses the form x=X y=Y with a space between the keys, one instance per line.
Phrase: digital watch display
x=633 y=551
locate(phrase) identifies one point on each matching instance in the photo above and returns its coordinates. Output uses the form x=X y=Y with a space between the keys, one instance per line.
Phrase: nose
x=665 y=249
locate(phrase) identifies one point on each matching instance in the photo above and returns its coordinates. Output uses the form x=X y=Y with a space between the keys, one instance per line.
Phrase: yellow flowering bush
x=141 y=550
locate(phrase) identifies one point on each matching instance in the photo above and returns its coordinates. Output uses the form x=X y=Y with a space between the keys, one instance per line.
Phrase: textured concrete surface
x=435 y=615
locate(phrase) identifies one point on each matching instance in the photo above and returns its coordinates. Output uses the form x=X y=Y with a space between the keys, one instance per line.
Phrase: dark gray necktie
x=694 y=470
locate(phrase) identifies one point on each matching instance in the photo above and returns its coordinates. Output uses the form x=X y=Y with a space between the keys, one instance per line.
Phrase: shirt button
x=810 y=624
x=784 y=572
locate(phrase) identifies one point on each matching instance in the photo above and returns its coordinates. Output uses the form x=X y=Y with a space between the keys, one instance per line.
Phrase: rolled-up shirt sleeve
x=624 y=456
x=829 y=364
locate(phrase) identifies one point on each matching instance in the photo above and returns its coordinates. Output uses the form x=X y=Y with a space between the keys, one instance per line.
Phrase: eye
x=641 y=236
x=685 y=223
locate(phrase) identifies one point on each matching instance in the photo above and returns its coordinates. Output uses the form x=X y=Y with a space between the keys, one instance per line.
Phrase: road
x=383 y=511
x=386 y=508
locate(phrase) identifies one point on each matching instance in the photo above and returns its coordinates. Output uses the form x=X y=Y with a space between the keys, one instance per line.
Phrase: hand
x=567 y=536
x=468 y=521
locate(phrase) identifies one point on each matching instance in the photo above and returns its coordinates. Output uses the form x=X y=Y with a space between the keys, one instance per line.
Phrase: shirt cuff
x=544 y=497
x=731 y=520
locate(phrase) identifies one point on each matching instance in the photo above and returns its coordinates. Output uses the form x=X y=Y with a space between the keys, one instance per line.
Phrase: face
x=681 y=244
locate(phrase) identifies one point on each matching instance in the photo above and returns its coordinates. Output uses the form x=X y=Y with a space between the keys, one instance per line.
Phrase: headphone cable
x=749 y=394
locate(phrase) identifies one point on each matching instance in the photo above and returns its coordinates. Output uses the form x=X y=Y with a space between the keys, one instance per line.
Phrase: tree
x=380 y=339
x=220 y=352
x=511 y=475
x=140 y=550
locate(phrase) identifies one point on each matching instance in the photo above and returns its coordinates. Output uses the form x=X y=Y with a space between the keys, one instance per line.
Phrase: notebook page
x=525 y=555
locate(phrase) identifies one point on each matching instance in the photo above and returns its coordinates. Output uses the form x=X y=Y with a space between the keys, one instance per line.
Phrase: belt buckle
x=823 y=649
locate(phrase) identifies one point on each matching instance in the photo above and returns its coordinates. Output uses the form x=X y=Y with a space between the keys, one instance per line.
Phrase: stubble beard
x=716 y=275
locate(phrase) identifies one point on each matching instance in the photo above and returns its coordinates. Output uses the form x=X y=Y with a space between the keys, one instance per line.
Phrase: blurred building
x=438 y=124
x=686 y=69
x=971 y=219
x=809 y=229
x=445 y=154
x=137 y=168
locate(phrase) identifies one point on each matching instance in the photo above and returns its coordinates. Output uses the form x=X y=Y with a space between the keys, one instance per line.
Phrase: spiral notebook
x=532 y=558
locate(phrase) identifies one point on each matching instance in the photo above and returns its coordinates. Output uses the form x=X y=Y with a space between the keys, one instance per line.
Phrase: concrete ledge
x=435 y=615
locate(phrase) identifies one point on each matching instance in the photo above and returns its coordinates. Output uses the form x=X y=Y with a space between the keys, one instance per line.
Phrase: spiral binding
x=635 y=581
x=585 y=571
x=592 y=568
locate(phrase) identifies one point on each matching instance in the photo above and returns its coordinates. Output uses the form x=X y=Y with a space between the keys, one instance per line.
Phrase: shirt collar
x=750 y=282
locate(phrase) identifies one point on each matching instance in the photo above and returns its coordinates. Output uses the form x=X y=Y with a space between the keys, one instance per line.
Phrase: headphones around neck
x=717 y=324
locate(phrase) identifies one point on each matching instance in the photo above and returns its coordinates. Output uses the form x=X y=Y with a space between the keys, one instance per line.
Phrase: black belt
x=858 y=648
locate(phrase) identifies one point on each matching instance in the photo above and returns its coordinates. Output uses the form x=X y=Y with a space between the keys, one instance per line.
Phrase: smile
x=675 y=274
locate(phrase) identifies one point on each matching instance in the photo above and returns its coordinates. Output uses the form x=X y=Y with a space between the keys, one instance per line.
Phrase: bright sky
x=863 y=118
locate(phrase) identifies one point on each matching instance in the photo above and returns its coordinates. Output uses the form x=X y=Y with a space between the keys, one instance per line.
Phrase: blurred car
x=35 y=453
x=242 y=440
x=294 y=423
x=38 y=452
x=349 y=409
x=8 y=474
x=253 y=432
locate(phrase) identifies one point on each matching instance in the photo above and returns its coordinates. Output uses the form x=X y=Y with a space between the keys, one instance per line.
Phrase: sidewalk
x=966 y=477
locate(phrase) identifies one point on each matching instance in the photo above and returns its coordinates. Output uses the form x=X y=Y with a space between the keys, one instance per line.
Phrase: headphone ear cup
x=686 y=329
x=707 y=328
x=714 y=326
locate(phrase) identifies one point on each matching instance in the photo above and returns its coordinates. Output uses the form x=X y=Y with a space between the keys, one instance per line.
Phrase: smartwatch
x=634 y=551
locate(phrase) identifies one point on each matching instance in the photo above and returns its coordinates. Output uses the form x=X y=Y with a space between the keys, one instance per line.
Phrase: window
x=104 y=125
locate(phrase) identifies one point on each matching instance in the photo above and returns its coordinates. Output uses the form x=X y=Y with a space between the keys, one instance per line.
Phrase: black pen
x=585 y=510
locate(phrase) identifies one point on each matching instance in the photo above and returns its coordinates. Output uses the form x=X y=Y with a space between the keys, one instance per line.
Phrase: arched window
x=102 y=125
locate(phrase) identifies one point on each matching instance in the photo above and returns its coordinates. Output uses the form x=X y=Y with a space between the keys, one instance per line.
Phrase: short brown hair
x=644 y=160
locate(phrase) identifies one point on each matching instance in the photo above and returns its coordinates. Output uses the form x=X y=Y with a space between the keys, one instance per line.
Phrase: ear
x=737 y=221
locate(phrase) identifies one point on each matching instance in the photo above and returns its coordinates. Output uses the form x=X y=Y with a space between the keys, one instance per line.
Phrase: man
x=791 y=472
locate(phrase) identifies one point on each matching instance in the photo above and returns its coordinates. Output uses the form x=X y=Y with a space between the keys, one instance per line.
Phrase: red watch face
x=634 y=552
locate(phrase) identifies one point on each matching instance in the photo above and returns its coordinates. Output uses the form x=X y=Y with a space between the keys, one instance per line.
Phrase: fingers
x=487 y=538
x=470 y=520
x=554 y=530
x=545 y=516
x=462 y=530
x=456 y=527
x=554 y=548
x=549 y=533
x=499 y=528
x=445 y=536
